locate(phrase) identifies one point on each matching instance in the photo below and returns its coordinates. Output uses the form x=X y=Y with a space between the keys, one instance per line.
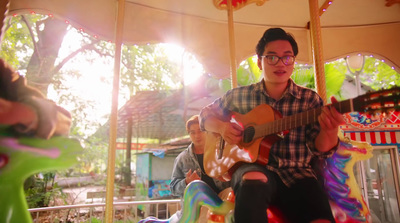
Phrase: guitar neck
x=300 y=119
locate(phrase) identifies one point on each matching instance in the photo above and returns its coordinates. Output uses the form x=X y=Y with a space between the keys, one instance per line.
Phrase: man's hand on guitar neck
x=329 y=120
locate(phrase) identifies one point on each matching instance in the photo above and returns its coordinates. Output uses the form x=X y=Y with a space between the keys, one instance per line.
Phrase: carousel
x=222 y=33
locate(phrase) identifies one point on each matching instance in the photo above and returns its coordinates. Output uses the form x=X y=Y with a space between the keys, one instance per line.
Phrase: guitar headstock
x=381 y=101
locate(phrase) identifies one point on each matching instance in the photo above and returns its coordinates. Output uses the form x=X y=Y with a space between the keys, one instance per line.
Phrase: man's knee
x=255 y=176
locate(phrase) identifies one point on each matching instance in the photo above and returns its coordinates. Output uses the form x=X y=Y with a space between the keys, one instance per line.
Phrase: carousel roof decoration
x=236 y=4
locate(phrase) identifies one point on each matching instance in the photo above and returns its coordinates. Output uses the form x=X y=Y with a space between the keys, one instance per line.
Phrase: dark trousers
x=302 y=202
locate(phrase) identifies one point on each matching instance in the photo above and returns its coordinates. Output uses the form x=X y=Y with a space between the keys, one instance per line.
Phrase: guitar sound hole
x=248 y=134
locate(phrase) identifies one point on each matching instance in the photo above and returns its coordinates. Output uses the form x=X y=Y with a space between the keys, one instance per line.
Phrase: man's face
x=280 y=72
x=198 y=137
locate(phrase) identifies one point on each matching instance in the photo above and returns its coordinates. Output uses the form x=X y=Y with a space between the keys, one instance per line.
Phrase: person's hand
x=191 y=176
x=232 y=132
x=12 y=113
x=330 y=119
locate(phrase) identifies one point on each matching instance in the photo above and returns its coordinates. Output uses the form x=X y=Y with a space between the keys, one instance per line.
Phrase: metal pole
x=316 y=40
x=232 y=43
x=128 y=153
x=3 y=11
x=114 y=113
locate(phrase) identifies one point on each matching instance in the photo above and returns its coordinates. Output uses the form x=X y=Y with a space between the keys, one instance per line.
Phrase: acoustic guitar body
x=221 y=158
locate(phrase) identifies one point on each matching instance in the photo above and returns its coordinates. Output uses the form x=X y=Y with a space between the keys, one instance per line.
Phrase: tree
x=32 y=43
x=148 y=67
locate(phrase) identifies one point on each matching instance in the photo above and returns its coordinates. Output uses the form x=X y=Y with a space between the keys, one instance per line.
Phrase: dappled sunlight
x=88 y=77
x=190 y=67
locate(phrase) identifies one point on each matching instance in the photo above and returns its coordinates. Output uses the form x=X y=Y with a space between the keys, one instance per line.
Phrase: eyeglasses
x=273 y=59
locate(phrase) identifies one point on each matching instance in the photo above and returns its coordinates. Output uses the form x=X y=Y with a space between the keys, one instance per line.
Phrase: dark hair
x=192 y=120
x=273 y=34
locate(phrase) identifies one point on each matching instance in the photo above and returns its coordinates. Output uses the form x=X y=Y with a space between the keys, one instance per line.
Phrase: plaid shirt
x=290 y=157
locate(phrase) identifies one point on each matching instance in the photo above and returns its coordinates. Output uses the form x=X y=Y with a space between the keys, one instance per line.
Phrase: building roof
x=162 y=115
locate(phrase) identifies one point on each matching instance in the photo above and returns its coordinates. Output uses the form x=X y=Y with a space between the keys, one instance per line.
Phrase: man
x=188 y=165
x=287 y=181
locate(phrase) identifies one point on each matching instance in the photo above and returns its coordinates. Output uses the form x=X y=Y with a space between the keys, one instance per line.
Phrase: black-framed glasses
x=273 y=59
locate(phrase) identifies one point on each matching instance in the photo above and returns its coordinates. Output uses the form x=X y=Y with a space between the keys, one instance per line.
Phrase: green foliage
x=304 y=75
x=94 y=158
x=334 y=77
x=148 y=67
x=248 y=72
x=225 y=84
x=378 y=75
x=17 y=47
x=39 y=195
x=93 y=220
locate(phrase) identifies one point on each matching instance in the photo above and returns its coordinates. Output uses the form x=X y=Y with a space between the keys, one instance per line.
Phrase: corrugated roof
x=162 y=114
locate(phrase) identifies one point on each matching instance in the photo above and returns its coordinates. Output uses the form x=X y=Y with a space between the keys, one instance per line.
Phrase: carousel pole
x=3 y=11
x=114 y=113
x=232 y=43
x=318 y=59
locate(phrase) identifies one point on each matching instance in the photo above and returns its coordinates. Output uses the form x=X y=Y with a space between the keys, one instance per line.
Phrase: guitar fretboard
x=300 y=119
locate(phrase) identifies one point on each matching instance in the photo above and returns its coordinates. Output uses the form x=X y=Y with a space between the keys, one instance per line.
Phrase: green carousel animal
x=23 y=157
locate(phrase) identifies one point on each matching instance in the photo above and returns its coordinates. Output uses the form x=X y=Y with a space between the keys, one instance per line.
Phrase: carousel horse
x=347 y=203
x=196 y=195
x=23 y=157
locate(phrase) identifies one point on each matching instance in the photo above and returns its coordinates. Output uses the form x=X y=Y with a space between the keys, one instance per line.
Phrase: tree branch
x=28 y=25
x=73 y=54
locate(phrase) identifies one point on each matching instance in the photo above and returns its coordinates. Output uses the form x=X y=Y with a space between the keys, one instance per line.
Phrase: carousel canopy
x=371 y=27
x=347 y=27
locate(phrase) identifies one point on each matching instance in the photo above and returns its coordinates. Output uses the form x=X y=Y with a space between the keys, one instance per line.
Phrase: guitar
x=263 y=126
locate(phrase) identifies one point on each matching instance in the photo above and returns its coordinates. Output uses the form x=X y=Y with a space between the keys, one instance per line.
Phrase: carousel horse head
x=347 y=202
x=23 y=157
